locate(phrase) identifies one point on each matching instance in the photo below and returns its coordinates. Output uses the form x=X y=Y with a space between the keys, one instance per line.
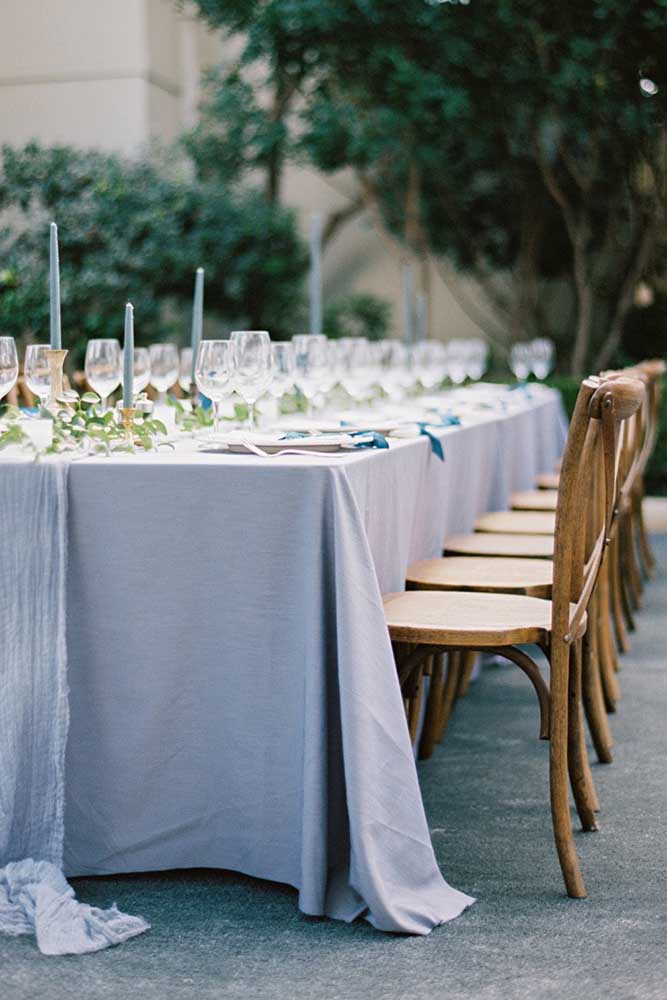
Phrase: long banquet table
x=233 y=697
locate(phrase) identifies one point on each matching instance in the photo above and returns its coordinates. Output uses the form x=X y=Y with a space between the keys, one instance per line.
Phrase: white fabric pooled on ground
x=34 y=720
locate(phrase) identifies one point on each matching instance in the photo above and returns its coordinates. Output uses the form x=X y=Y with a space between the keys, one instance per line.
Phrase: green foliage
x=356 y=315
x=510 y=136
x=137 y=230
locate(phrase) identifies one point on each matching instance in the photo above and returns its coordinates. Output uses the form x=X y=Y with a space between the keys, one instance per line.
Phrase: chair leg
x=633 y=575
x=432 y=716
x=606 y=649
x=450 y=687
x=593 y=698
x=581 y=779
x=648 y=558
x=615 y=598
x=469 y=660
x=558 y=775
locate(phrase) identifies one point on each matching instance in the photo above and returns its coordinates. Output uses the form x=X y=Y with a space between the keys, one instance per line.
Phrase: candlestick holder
x=127 y=415
x=55 y=358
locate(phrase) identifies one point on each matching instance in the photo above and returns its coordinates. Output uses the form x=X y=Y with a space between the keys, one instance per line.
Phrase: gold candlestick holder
x=55 y=358
x=127 y=415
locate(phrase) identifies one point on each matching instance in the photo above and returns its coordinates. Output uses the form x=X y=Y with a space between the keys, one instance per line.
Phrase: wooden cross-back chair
x=423 y=623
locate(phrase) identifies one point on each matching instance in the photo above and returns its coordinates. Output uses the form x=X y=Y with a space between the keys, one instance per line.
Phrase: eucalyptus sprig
x=11 y=431
x=81 y=424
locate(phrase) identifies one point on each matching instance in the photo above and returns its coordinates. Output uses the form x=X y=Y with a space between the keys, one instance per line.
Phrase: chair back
x=591 y=473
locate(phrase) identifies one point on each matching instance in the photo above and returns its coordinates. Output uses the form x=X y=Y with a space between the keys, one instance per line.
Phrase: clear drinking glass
x=36 y=371
x=9 y=365
x=165 y=367
x=430 y=363
x=519 y=361
x=283 y=364
x=103 y=367
x=478 y=356
x=357 y=367
x=542 y=351
x=214 y=373
x=185 y=375
x=311 y=353
x=392 y=357
x=253 y=368
x=142 y=370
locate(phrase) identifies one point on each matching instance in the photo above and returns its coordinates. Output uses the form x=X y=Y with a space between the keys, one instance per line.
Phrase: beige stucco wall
x=117 y=75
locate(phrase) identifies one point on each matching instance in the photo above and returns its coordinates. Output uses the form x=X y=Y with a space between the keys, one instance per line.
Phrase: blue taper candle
x=54 y=290
x=422 y=306
x=197 y=318
x=316 y=273
x=408 y=293
x=128 y=357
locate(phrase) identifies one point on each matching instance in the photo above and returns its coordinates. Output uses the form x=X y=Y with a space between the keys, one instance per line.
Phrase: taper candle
x=422 y=302
x=316 y=273
x=197 y=318
x=54 y=290
x=408 y=293
x=128 y=357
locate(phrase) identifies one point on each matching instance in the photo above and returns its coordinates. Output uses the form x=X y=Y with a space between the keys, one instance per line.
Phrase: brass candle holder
x=194 y=396
x=55 y=358
x=127 y=416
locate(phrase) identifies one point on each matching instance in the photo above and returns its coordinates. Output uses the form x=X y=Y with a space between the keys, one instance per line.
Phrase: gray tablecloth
x=233 y=697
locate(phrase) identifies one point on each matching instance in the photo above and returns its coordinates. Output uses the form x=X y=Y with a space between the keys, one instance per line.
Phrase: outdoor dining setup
x=252 y=580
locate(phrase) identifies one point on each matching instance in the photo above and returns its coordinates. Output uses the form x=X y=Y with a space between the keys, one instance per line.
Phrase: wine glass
x=185 y=376
x=478 y=356
x=357 y=368
x=282 y=360
x=36 y=371
x=214 y=373
x=311 y=352
x=457 y=360
x=392 y=357
x=9 y=365
x=519 y=361
x=103 y=367
x=541 y=357
x=142 y=370
x=253 y=369
x=165 y=367
x=429 y=363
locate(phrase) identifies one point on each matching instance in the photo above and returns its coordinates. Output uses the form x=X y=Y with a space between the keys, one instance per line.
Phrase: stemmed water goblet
x=357 y=369
x=283 y=368
x=311 y=353
x=142 y=370
x=214 y=374
x=103 y=367
x=392 y=359
x=541 y=357
x=36 y=371
x=9 y=365
x=165 y=366
x=252 y=367
x=185 y=374
x=520 y=361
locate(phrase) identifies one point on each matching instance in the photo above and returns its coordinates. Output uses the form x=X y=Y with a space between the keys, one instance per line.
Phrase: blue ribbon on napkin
x=373 y=439
x=292 y=435
x=446 y=420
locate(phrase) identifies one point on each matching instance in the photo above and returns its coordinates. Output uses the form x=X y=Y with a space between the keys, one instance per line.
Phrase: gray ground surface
x=218 y=935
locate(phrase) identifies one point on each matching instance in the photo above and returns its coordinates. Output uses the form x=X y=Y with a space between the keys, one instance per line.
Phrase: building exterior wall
x=118 y=75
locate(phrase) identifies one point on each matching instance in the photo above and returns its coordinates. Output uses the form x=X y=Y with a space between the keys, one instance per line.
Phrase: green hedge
x=656 y=474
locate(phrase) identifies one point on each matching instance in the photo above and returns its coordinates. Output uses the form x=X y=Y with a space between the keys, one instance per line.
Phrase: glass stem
x=216 y=417
x=103 y=403
x=251 y=416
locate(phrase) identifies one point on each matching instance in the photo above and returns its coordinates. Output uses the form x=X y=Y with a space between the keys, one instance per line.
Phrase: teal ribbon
x=446 y=420
x=374 y=440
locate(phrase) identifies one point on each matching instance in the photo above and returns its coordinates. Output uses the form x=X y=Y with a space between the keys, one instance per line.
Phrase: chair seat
x=548 y=481
x=466 y=619
x=486 y=543
x=535 y=500
x=520 y=522
x=479 y=573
